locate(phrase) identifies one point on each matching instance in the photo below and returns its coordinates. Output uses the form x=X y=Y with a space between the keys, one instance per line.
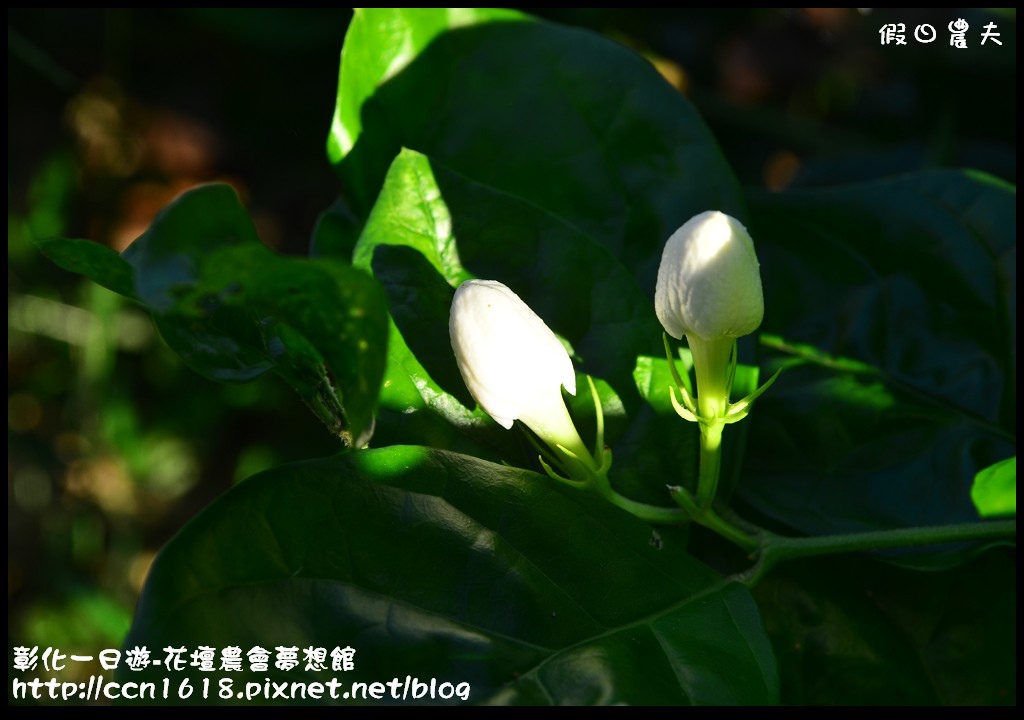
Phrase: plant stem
x=776 y=549
x=648 y=513
x=710 y=463
x=711 y=520
x=711 y=365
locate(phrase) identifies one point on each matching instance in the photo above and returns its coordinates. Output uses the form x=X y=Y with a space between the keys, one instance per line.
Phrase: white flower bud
x=709 y=282
x=512 y=363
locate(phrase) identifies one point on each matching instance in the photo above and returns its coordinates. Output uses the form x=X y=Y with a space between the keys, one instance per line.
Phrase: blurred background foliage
x=114 y=444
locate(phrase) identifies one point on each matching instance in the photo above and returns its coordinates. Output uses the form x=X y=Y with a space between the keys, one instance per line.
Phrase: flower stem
x=711 y=365
x=776 y=549
x=710 y=462
x=648 y=513
x=711 y=520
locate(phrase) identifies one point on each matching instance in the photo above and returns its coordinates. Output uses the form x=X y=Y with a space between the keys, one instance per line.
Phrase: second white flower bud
x=512 y=363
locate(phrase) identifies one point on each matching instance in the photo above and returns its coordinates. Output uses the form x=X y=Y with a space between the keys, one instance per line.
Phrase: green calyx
x=714 y=380
x=590 y=472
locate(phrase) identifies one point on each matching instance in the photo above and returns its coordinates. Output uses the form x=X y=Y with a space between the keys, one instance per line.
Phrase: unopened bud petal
x=709 y=281
x=512 y=363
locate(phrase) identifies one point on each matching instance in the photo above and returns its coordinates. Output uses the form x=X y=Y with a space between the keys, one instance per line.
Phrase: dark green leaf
x=336 y=232
x=995 y=489
x=225 y=345
x=850 y=631
x=564 y=119
x=234 y=310
x=438 y=565
x=323 y=321
x=168 y=257
x=894 y=305
x=96 y=262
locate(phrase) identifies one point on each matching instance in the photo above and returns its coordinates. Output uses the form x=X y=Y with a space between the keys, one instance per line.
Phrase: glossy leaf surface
x=434 y=564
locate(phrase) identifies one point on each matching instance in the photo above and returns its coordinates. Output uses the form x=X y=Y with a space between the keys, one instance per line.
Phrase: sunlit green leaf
x=380 y=43
x=564 y=119
x=653 y=379
x=995 y=489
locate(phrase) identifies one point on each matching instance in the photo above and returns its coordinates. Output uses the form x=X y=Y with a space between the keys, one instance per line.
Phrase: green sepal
x=741 y=408
x=688 y=409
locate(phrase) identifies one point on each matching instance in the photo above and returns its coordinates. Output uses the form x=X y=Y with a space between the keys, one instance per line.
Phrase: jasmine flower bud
x=709 y=282
x=709 y=289
x=512 y=363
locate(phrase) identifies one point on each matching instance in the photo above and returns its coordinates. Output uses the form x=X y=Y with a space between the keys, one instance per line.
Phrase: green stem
x=711 y=520
x=711 y=365
x=710 y=463
x=776 y=549
x=599 y=417
x=648 y=513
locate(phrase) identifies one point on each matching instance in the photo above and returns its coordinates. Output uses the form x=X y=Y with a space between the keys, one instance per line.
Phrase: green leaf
x=994 y=491
x=335 y=233
x=325 y=322
x=894 y=305
x=233 y=309
x=437 y=565
x=225 y=345
x=412 y=212
x=850 y=631
x=96 y=262
x=380 y=43
x=653 y=378
x=561 y=118
x=410 y=225
x=168 y=258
